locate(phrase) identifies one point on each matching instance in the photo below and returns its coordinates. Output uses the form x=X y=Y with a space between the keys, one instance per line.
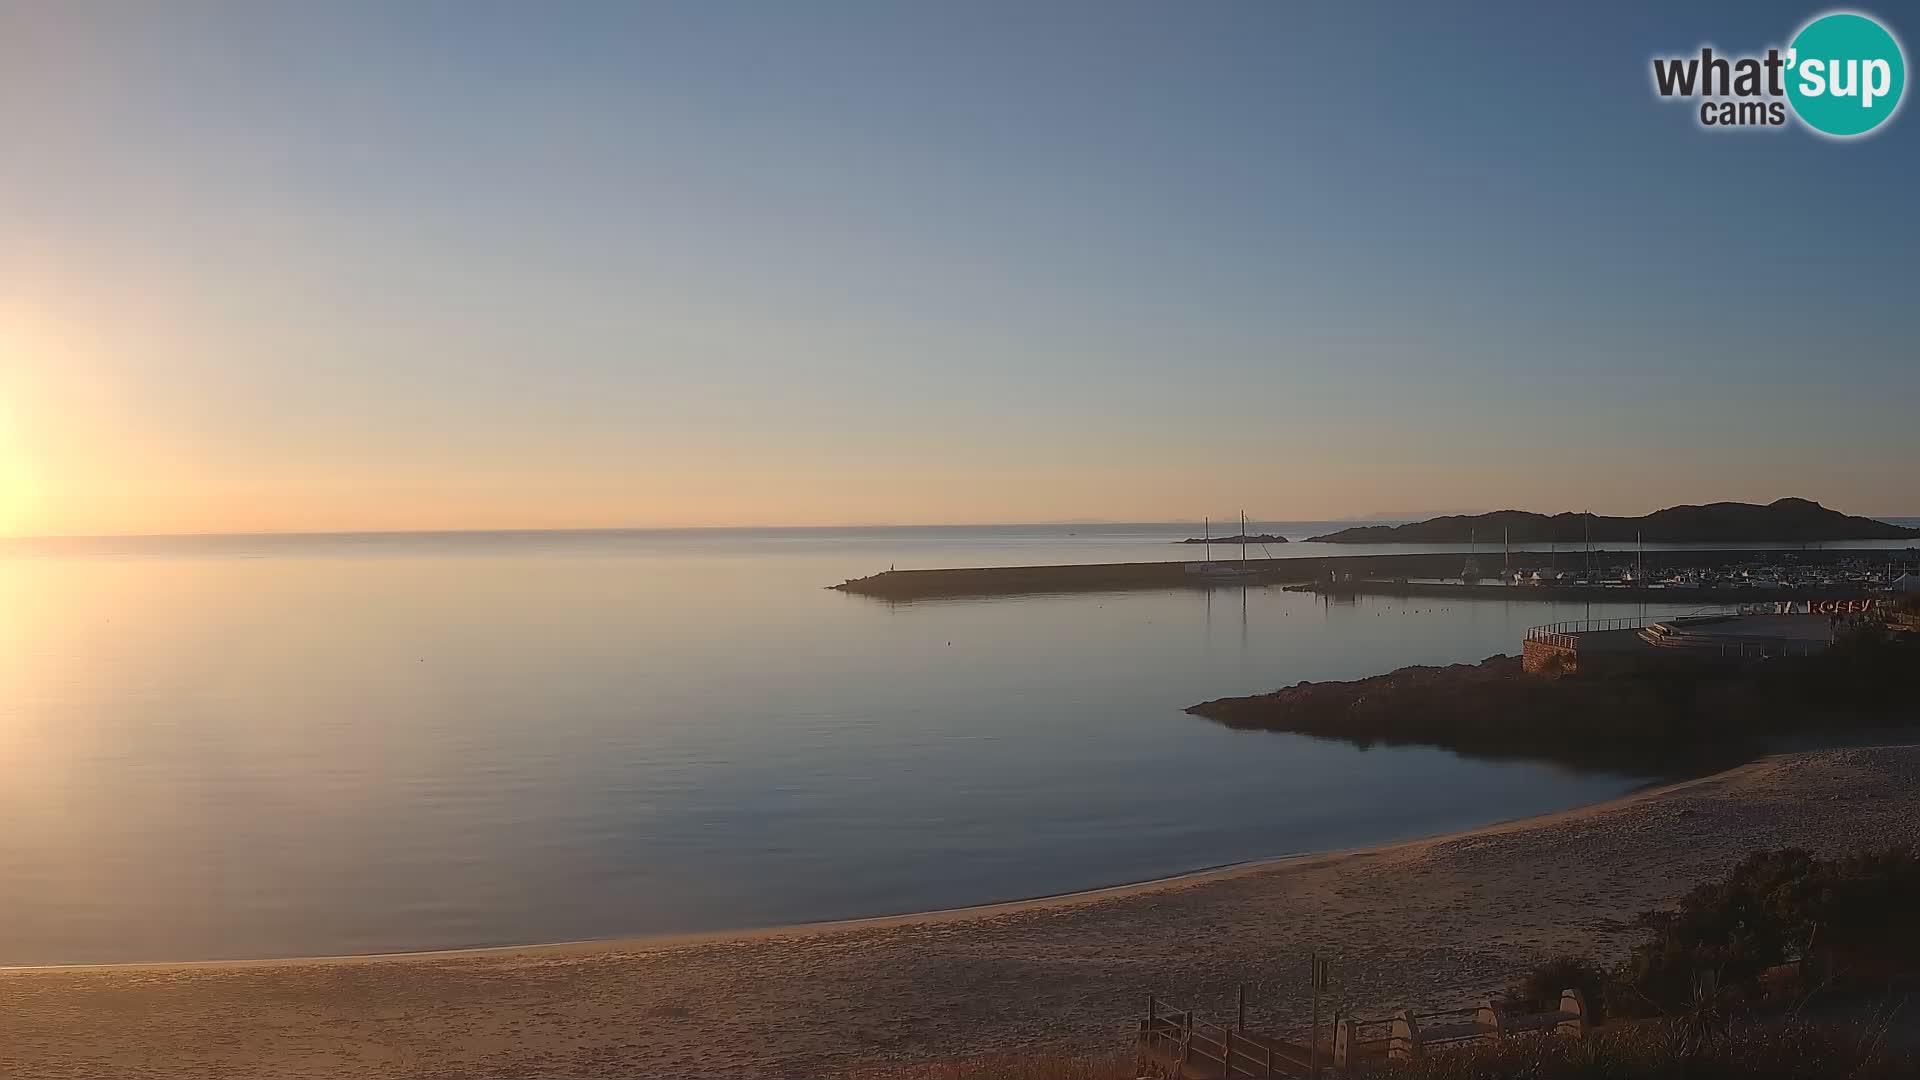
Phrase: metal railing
x=1593 y=626
x=1565 y=634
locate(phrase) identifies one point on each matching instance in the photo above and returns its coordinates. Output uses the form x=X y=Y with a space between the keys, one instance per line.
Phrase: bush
x=1774 y=907
x=1670 y=1048
x=1540 y=990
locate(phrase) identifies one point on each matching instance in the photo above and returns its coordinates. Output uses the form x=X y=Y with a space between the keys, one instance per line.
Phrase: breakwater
x=1386 y=568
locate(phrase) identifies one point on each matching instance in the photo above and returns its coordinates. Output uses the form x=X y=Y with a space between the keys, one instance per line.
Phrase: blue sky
x=276 y=265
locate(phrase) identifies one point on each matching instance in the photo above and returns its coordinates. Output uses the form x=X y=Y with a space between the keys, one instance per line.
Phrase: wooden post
x=1492 y=1015
x=1404 y=1041
x=1243 y=1007
x=1186 y=1034
x=1343 y=1043
x=1573 y=1009
x=1322 y=980
x=1313 y=1033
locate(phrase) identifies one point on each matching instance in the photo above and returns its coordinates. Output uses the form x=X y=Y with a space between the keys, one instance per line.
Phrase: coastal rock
x=1655 y=715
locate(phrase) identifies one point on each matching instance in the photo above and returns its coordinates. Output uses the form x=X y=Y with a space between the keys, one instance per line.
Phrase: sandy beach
x=1438 y=921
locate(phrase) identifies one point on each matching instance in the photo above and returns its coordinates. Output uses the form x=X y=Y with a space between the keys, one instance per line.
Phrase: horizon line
x=478 y=529
x=1369 y=520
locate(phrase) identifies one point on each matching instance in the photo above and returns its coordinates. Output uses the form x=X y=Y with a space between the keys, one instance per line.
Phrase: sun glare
x=13 y=483
x=16 y=487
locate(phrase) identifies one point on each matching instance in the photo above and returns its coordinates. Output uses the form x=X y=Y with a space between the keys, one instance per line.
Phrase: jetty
x=1337 y=573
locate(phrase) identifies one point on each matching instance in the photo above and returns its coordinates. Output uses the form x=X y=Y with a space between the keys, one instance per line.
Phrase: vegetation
x=1661 y=1022
x=1851 y=918
x=1657 y=714
x=1848 y=922
x=1540 y=990
x=1672 y=1050
x=1659 y=1050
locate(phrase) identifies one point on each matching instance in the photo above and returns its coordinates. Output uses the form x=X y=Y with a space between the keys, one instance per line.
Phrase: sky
x=273 y=266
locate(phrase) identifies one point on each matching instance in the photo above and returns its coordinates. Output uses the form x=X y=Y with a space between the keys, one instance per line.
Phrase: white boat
x=1211 y=571
x=1219 y=571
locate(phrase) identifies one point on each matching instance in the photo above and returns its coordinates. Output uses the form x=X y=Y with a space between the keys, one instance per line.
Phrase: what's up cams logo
x=1843 y=75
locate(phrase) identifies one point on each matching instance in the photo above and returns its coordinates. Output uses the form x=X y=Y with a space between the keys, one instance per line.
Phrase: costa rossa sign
x=1812 y=607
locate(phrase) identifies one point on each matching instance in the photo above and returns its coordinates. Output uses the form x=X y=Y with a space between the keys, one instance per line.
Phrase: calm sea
x=271 y=746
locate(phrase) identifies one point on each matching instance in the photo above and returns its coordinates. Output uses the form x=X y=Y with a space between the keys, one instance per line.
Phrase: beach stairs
x=1360 y=1044
x=1685 y=634
x=1177 y=1045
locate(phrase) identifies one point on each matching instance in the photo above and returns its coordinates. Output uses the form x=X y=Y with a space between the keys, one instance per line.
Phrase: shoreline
x=1422 y=924
x=642 y=943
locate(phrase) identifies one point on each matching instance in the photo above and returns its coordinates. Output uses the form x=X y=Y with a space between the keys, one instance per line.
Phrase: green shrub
x=1774 y=907
x=1539 y=991
x=1658 y=1050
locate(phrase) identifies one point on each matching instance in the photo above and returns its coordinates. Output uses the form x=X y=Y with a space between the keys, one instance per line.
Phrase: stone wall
x=1547 y=658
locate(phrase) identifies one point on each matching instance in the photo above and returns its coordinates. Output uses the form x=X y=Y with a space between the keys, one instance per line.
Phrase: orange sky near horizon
x=92 y=446
x=366 y=267
x=107 y=433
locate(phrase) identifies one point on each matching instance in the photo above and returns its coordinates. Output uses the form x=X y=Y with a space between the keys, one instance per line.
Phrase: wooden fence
x=1359 y=1043
x=1178 y=1044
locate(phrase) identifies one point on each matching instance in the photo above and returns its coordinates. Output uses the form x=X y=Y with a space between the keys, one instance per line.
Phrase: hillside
x=1785 y=521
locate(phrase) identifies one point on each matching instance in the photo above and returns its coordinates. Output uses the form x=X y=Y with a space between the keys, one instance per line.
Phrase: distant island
x=1263 y=538
x=1783 y=521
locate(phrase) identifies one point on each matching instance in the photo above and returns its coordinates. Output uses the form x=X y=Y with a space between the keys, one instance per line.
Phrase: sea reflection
x=267 y=748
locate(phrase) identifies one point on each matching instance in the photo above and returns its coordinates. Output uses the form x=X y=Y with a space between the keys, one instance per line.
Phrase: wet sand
x=1432 y=922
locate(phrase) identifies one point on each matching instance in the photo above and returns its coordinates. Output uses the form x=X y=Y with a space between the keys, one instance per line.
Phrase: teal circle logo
x=1845 y=74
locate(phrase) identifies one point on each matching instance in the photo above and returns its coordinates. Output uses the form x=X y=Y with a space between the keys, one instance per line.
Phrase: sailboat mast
x=1243 y=539
x=1206 y=533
